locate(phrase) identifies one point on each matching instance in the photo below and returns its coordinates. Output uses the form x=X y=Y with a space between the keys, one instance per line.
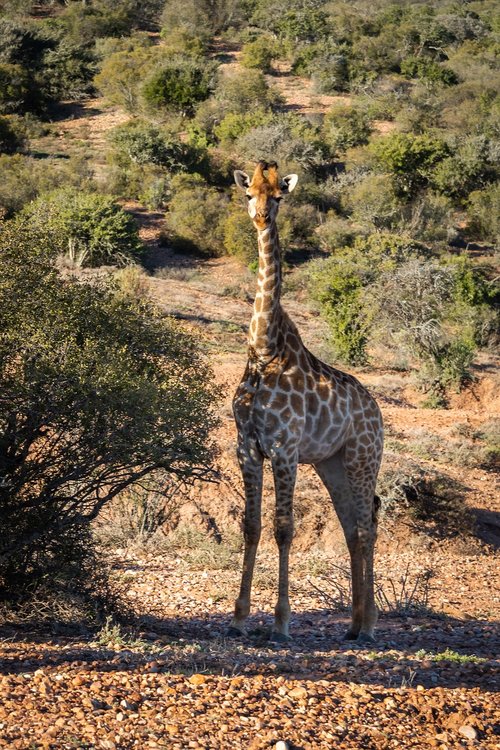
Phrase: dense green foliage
x=24 y=178
x=258 y=54
x=89 y=228
x=144 y=157
x=403 y=170
x=178 y=86
x=98 y=392
x=196 y=215
x=386 y=290
x=10 y=139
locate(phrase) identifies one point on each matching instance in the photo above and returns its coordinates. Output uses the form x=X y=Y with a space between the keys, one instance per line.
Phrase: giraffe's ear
x=241 y=179
x=288 y=183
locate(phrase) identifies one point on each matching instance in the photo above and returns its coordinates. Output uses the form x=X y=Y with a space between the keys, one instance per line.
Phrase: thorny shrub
x=98 y=393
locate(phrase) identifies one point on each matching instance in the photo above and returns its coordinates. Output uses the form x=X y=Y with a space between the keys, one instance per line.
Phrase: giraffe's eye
x=248 y=197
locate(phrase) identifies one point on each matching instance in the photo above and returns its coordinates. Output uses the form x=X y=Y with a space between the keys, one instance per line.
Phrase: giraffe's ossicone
x=291 y=408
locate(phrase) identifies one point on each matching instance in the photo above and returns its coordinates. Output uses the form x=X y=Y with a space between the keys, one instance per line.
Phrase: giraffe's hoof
x=233 y=632
x=276 y=637
x=365 y=639
x=351 y=635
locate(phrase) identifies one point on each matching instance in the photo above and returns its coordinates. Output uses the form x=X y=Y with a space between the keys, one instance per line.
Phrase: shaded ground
x=175 y=681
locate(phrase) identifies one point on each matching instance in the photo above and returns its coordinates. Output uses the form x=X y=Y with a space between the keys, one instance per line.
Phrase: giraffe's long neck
x=265 y=326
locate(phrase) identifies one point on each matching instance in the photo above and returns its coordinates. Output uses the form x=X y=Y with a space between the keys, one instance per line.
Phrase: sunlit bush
x=89 y=228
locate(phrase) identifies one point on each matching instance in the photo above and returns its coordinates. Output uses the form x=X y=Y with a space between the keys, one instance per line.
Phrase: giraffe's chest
x=279 y=417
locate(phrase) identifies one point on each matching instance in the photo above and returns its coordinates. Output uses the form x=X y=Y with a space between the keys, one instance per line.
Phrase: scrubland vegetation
x=394 y=227
x=127 y=272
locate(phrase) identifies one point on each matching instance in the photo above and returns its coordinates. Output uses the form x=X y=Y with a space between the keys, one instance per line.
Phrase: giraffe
x=292 y=408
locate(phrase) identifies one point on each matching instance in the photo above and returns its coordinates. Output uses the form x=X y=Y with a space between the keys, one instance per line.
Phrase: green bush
x=472 y=164
x=121 y=76
x=14 y=88
x=206 y=17
x=236 y=124
x=340 y=283
x=24 y=178
x=429 y=218
x=258 y=54
x=344 y=127
x=10 y=138
x=22 y=43
x=484 y=213
x=104 y=47
x=372 y=202
x=335 y=232
x=139 y=142
x=337 y=286
x=330 y=74
x=85 y=22
x=55 y=65
x=67 y=72
x=143 y=158
x=293 y=21
x=91 y=229
x=240 y=237
x=428 y=70
x=180 y=41
x=411 y=159
x=244 y=91
x=289 y=140
x=147 y=183
x=476 y=293
x=98 y=393
x=416 y=306
x=179 y=85
x=196 y=215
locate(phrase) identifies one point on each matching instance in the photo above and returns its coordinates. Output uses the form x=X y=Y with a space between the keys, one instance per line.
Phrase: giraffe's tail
x=377 y=503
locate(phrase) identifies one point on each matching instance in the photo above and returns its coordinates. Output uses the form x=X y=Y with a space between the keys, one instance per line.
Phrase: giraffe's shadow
x=427 y=650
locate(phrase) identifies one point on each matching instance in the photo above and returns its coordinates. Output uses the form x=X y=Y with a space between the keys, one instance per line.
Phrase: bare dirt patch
x=298 y=92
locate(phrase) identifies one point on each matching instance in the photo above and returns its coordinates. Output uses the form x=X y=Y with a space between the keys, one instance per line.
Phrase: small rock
x=298 y=693
x=128 y=706
x=282 y=745
x=468 y=731
x=197 y=679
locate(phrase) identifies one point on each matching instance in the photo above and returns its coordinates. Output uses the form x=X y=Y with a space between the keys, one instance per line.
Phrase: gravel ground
x=174 y=681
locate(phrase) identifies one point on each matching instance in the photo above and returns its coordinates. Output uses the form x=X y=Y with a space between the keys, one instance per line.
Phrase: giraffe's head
x=264 y=192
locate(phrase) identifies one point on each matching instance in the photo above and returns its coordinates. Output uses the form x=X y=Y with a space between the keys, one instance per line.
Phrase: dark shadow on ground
x=48 y=155
x=487 y=526
x=72 y=111
x=157 y=256
x=182 y=645
x=210 y=321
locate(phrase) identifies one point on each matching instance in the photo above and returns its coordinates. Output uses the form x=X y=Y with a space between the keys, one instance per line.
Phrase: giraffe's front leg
x=285 y=473
x=251 y=467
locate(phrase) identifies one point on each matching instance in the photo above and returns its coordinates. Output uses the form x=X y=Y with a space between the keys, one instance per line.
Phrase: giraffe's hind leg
x=354 y=503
